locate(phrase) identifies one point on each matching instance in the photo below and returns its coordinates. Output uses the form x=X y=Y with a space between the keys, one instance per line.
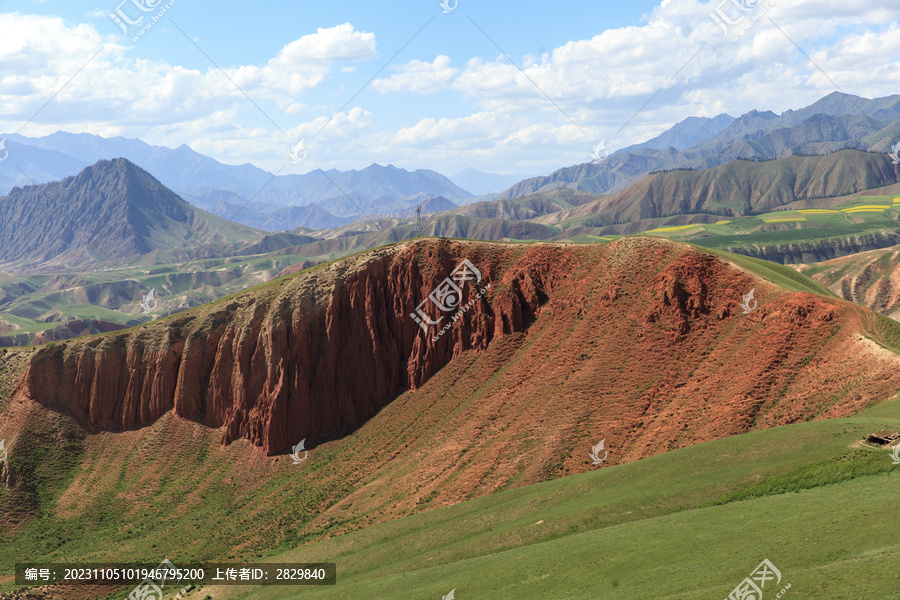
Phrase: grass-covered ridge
x=785 y=277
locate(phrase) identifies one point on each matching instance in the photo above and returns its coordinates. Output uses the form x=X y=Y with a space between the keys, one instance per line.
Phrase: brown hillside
x=527 y=207
x=639 y=342
x=740 y=188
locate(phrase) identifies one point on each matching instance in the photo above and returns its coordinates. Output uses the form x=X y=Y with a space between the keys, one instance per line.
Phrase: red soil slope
x=640 y=341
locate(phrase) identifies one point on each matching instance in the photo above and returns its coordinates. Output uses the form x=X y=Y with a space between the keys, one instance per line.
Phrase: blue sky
x=449 y=99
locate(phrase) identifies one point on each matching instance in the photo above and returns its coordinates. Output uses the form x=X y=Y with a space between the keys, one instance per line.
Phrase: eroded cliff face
x=819 y=250
x=871 y=279
x=645 y=335
x=301 y=358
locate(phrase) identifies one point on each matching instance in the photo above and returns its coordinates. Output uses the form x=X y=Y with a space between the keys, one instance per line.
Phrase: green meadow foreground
x=690 y=523
x=824 y=512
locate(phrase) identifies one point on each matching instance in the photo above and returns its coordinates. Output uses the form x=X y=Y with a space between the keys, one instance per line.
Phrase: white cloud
x=419 y=76
x=222 y=138
x=116 y=93
x=305 y=63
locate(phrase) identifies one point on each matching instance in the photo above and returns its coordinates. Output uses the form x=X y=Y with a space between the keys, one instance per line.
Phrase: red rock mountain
x=640 y=341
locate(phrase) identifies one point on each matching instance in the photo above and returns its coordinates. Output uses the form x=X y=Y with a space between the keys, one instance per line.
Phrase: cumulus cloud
x=419 y=76
x=42 y=55
x=305 y=63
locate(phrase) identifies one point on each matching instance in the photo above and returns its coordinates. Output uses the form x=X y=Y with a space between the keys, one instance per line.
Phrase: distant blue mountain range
x=338 y=196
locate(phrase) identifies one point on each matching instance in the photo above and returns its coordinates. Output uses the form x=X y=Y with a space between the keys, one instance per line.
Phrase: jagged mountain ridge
x=186 y=171
x=268 y=217
x=180 y=169
x=381 y=191
x=376 y=190
x=684 y=134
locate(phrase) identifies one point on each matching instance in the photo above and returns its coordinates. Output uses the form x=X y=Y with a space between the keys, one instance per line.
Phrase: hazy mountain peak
x=111 y=210
x=685 y=133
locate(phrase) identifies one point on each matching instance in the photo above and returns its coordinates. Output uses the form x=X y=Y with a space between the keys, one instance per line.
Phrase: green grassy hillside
x=662 y=527
x=669 y=526
x=793 y=235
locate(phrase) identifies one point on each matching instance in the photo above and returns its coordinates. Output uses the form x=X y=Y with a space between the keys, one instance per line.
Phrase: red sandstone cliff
x=302 y=357
x=323 y=351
